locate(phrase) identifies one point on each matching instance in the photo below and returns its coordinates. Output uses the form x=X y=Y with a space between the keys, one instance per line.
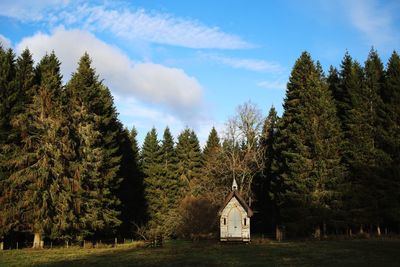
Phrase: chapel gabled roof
x=235 y=193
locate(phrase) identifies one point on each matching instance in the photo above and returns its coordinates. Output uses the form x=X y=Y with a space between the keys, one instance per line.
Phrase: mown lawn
x=185 y=253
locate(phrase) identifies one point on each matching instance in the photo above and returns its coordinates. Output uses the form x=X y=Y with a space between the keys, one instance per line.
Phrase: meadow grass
x=207 y=253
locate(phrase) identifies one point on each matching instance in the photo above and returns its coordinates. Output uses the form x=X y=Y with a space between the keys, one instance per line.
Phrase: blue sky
x=191 y=63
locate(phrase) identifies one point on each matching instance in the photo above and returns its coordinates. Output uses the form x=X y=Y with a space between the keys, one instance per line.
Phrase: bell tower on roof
x=234 y=185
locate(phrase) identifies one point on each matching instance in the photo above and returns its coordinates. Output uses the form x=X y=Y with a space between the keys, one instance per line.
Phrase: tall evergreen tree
x=387 y=178
x=7 y=91
x=151 y=161
x=375 y=88
x=391 y=98
x=211 y=183
x=130 y=192
x=189 y=160
x=262 y=184
x=307 y=151
x=39 y=164
x=168 y=176
x=8 y=94
x=96 y=129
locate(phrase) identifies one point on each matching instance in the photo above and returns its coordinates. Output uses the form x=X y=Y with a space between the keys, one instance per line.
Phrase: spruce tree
x=189 y=161
x=97 y=130
x=130 y=192
x=262 y=183
x=150 y=163
x=8 y=94
x=7 y=91
x=307 y=158
x=211 y=183
x=39 y=164
x=391 y=143
x=168 y=176
x=391 y=98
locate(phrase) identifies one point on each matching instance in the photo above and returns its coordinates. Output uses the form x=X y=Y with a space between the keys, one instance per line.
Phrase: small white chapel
x=235 y=217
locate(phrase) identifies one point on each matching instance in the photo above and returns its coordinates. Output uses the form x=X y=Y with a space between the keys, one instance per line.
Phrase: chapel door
x=235 y=223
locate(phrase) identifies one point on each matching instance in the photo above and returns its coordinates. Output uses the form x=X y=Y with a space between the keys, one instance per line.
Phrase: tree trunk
x=37 y=240
x=324 y=230
x=350 y=232
x=317 y=232
x=361 y=229
x=378 y=230
x=278 y=233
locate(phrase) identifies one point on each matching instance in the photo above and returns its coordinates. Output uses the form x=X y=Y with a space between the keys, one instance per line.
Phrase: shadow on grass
x=186 y=253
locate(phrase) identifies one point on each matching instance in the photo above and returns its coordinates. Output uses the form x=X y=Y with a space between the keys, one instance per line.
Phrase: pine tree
x=7 y=91
x=342 y=95
x=97 y=130
x=391 y=143
x=169 y=179
x=150 y=162
x=211 y=183
x=8 y=94
x=39 y=164
x=131 y=188
x=262 y=183
x=307 y=161
x=391 y=98
x=189 y=161
x=375 y=88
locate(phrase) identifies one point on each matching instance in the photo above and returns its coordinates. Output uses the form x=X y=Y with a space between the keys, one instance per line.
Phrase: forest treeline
x=70 y=171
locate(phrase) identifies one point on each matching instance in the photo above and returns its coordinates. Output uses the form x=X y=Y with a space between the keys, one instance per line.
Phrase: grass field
x=185 y=253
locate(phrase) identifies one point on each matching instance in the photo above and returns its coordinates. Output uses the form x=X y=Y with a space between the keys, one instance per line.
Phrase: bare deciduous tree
x=241 y=153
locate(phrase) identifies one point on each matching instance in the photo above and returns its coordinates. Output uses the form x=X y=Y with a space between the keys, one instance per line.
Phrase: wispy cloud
x=4 y=41
x=277 y=84
x=244 y=63
x=128 y=23
x=30 y=10
x=374 y=20
x=172 y=88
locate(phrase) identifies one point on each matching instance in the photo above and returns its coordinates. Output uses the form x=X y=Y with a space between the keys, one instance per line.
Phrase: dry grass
x=184 y=253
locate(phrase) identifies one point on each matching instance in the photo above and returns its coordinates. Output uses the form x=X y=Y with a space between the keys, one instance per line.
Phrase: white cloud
x=30 y=10
x=272 y=85
x=150 y=82
x=144 y=117
x=373 y=19
x=244 y=63
x=125 y=22
x=5 y=42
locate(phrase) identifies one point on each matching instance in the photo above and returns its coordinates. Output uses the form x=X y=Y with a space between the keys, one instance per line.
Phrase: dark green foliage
x=211 y=184
x=7 y=97
x=131 y=190
x=213 y=144
x=96 y=167
x=39 y=163
x=151 y=160
x=262 y=182
x=189 y=161
x=169 y=179
x=8 y=94
x=307 y=159
x=68 y=169
x=391 y=99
